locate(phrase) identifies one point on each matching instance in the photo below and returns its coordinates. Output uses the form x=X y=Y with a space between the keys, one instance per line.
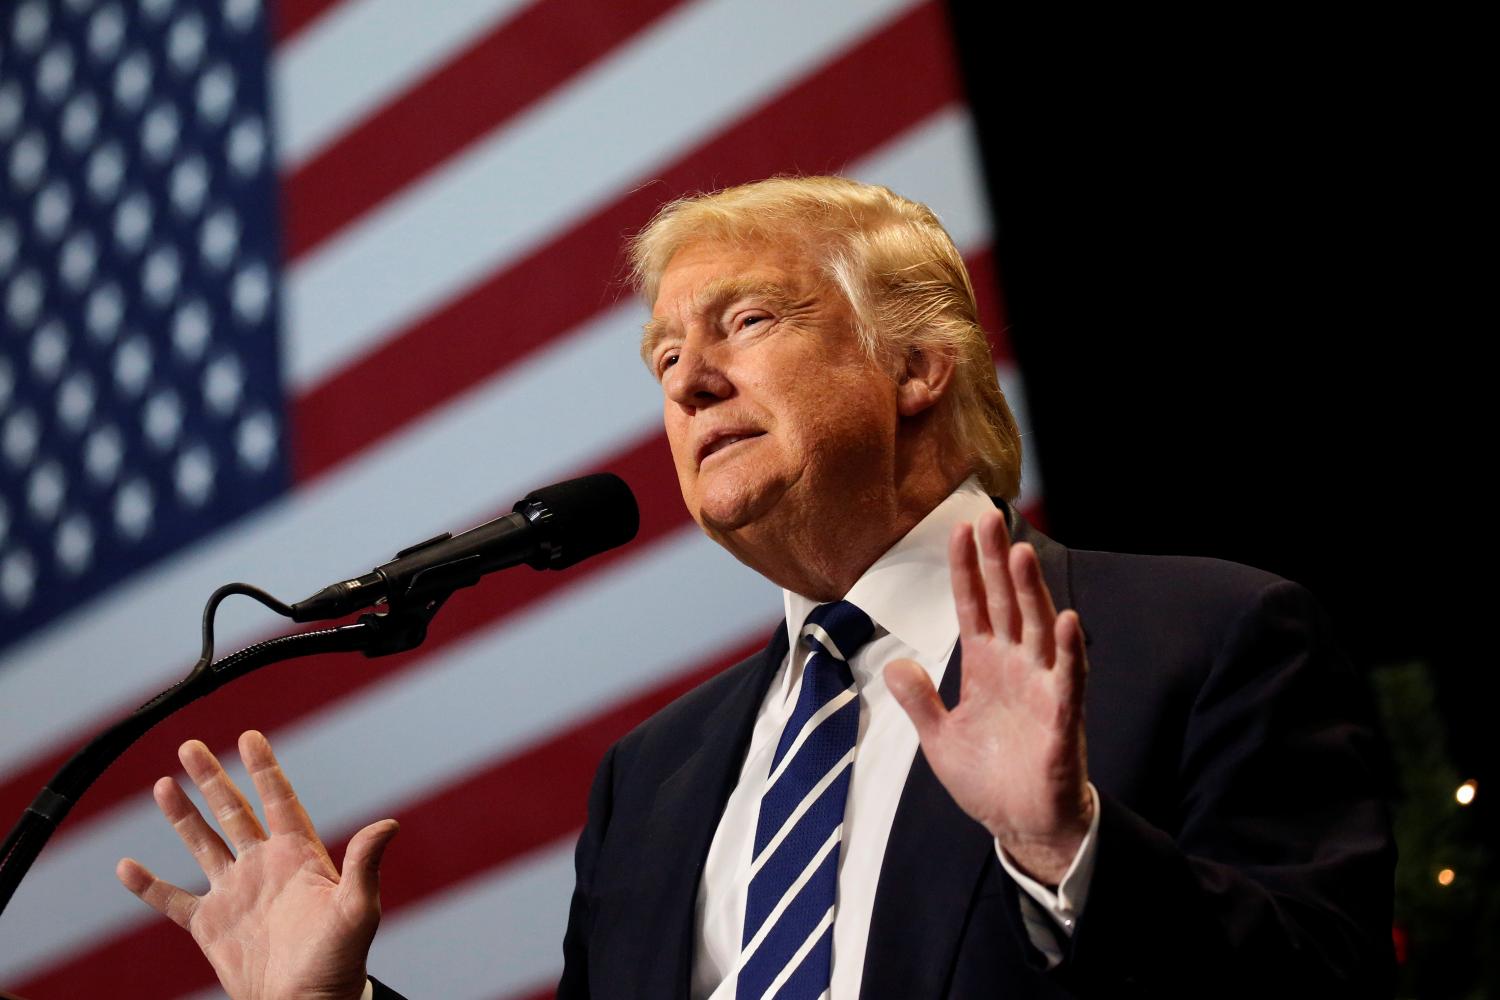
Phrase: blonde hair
x=904 y=279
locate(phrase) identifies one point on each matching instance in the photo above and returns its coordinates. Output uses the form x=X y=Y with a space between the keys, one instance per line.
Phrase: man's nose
x=698 y=378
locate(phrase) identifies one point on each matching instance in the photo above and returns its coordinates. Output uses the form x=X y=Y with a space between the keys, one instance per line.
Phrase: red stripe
x=476 y=90
x=531 y=801
x=817 y=126
x=289 y=17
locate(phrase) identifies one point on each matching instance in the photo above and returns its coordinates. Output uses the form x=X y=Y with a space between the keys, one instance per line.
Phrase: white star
x=251 y=293
x=241 y=14
x=28 y=158
x=12 y=105
x=75 y=543
x=30 y=26
x=160 y=131
x=223 y=384
x=49 y=351
x=189 y=185
x=106 y=32
x=161 y=275
x=103 y=312
x=156 y=10
x=54 y=72
x=255 y=441
x=133 y=509
x=133 y=221
x=45 y=490
x=19 y=438
x=194 y=475
x=220 y=238
x=190 y=328
x=247 y=146
x=17 y=578
x=163 y=419
x=102 y=455
x=216 y=93
x=133 y=365
x=185 y=43
x=105 y=171
x=75 y=401
x=79 y=255
x=80 y=121
x=133 y=80
x=23 y=300
x=53 y=208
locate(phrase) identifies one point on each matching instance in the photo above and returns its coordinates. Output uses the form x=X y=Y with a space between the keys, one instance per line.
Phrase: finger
x=914 y=692
x=994 y=561
x=360 y=881
x=284 y=811
x=211 y=853
x=1037 y=613
x=228 y=803
x=968 y=582
x=177 y=905
x=1072 y=663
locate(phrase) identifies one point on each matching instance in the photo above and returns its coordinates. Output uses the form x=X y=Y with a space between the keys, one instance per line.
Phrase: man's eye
x=667 y=361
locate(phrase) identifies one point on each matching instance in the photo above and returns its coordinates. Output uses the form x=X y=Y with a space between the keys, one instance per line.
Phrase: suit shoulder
x=1190 y=588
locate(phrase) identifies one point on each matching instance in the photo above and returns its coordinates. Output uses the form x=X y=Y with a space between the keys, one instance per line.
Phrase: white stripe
x=835 y=703
x=569 y=155
x=491 y=695
x=359 y=56
x=801 y=953
x=123 y=649
x=825 y=640
x=802 y=879
x=802 y=807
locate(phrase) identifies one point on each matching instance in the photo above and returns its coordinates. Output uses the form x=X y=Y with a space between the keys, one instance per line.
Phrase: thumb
x=914 y=692
x=361 y=875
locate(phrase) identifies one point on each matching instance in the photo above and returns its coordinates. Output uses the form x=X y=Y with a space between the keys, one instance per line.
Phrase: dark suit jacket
x=1244 y=848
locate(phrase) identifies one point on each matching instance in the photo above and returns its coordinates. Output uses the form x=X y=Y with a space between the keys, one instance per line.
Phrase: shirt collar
x=907 y=591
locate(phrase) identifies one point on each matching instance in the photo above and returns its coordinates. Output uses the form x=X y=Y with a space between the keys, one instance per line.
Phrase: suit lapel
x=933 y=862
x=686 y=813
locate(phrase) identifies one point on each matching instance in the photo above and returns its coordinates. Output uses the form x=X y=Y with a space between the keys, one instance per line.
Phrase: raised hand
x=278 y=920
x=1011 y=752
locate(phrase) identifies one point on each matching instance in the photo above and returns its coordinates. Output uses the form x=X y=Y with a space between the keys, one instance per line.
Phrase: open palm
x=278 y=919
x=1011 y=752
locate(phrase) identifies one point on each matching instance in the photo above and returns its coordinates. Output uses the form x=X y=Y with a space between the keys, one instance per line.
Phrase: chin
x=736 y=503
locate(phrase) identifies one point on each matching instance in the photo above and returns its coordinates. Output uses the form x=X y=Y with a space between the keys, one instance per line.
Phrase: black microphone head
x=580 y=518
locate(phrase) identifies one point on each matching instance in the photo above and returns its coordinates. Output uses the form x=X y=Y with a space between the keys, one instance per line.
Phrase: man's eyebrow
x=713 y=296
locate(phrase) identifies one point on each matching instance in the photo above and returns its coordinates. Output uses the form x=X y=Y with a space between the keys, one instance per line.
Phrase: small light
x=1445 y=877
x=1466 y=792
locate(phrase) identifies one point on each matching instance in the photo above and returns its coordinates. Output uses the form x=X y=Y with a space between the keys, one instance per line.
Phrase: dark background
x=1238 y=257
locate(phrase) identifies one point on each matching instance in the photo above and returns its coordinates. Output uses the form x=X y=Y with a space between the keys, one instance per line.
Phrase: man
x=835 y=424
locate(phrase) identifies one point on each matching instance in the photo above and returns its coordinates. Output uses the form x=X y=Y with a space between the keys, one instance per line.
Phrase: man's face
x=774 y=414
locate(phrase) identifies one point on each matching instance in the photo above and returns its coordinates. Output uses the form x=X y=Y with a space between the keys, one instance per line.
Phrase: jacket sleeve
x=575 y=978
x=1276 y=874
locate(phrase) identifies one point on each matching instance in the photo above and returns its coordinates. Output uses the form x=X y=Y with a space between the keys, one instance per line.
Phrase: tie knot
x=838 y=629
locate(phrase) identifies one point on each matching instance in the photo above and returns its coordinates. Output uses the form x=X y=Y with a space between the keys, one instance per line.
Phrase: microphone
x=551 y=528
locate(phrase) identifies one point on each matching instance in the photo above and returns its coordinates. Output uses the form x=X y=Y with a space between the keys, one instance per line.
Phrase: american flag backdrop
x=286 y=288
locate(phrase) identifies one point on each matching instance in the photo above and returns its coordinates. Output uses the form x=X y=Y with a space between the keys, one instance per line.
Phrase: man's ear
x=926 y=375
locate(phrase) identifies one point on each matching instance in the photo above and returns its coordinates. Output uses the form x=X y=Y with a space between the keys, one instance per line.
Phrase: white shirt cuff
x=1065 y=904
x=369 y=993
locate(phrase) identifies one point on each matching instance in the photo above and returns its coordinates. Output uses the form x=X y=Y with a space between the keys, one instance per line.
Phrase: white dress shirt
x=907 y=592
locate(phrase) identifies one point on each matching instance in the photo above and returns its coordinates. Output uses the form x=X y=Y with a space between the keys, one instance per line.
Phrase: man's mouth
x=719 y=442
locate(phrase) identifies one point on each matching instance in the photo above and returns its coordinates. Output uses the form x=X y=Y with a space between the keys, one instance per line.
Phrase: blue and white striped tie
x=787 y=949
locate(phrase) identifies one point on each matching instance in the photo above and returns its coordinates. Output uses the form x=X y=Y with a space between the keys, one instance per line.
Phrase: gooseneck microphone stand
x=400 y=626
